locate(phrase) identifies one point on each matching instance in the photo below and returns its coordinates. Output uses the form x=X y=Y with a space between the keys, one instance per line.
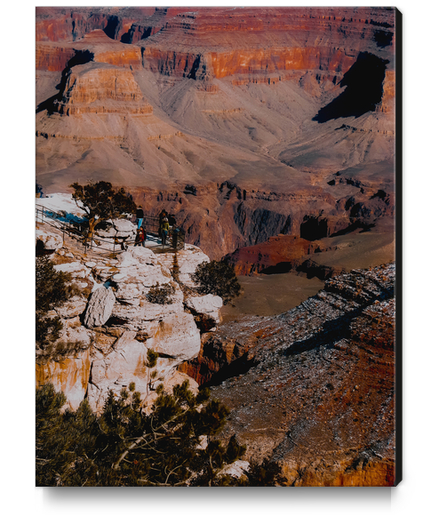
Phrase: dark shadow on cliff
x=238 y=367
x=335 y=330
x=364 y=89
x=283 y=267
x=112 y=27
x=81 y=57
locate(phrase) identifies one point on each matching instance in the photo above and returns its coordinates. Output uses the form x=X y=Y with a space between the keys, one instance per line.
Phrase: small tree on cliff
x=52 y=289
x=218 y=278
x=101 y=202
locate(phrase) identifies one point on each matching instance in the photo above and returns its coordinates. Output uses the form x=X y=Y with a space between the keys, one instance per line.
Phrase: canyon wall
x=222 y=42
x=223 y=116
x=313 y=389
x=101 y=89
x=270 y=134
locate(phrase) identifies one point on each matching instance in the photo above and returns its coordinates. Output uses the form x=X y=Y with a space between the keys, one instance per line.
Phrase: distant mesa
x=97 y=88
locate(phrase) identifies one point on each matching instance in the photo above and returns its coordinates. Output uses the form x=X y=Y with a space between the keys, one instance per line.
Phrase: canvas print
x=216 y=294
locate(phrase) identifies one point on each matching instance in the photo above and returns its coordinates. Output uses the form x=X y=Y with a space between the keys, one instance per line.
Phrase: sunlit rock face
x=101 y=89
x=223 y=42
x=95 y=46
x=112 y=321
x=245 y=123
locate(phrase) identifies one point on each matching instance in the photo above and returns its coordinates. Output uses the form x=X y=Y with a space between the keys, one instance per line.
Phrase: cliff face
x=313 y=388
x=67 y=23
x=96 y=45
x=239 y=121
x=101 y=89
x=110 y=324
x=225 y=42
x=278 y=254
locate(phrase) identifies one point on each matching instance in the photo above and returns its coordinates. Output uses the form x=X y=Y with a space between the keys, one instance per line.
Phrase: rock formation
x=239 y=121
x=111 y=322
x=101 y=88
x=270 y=134
x=313 y=389
x=279 y=254
x=99 y=307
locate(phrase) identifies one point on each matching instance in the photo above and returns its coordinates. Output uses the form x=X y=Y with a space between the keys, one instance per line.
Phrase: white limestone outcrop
x=208 y=305
x=51 y=241
x=106 y=337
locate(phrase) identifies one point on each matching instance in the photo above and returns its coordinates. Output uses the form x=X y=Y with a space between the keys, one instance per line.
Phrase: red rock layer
x=52 y=57
x=100 y=88
x=388 y=100
x=283 y=249
x=57 y=24
x=221 y=42
x=123 y=23
x=279 y=60
x=314 y=388
x=55 y=57
x=109 y=51
x=67 y=24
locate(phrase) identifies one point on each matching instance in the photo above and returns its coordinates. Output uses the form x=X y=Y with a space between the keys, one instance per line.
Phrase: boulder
x=121 y=228
x=133 y=271
x=134 y=308
x=71 y=308
x=208 y=304
x=73 y=335
x=76 y=269
x=118 y=352
x=137 y=255
x=99 y=307
x=177 y=336
x=124 y=364
x=188 y=259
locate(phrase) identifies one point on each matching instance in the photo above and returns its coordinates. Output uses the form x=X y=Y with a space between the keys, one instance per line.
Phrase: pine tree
x=218 y=278
x=126 y=447
x=52 y=290
x=101 y=202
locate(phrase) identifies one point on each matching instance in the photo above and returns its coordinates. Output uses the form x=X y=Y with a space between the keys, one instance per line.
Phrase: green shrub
x=52 y=290
x=101 y=202
x=160 y=294
x=218 y=278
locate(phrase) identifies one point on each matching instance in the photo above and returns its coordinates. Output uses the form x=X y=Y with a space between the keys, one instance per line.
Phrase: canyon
x=270 y=134
x=313 y=389
x=223 y=116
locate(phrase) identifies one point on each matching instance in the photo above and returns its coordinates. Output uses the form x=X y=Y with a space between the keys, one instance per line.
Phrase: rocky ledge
x=313 y=389
x=113 y=321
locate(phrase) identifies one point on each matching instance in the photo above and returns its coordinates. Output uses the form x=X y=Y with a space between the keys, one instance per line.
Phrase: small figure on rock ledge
x=140 y=237
x=139 y=216
x=164 y=229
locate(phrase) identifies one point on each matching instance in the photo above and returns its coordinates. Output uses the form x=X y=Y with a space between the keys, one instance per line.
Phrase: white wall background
x=17 y=266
